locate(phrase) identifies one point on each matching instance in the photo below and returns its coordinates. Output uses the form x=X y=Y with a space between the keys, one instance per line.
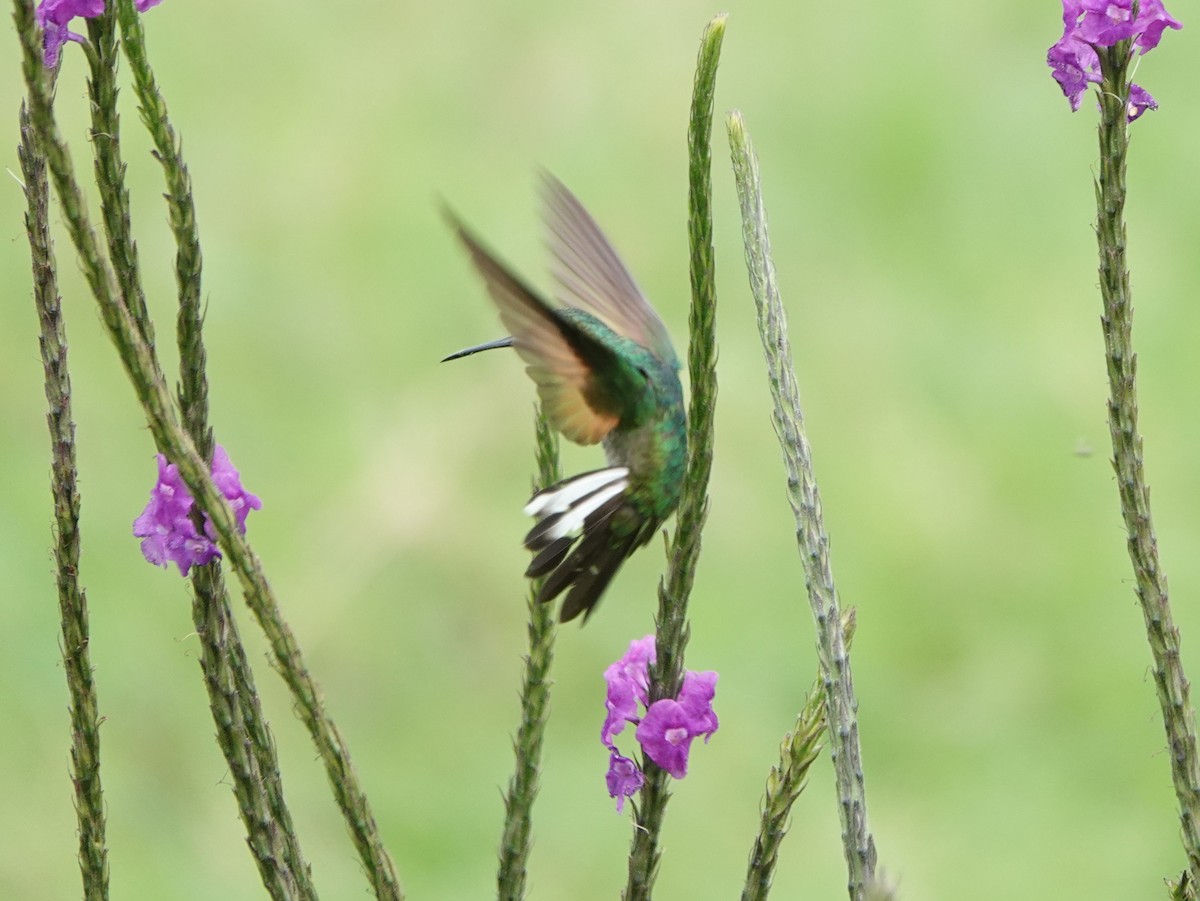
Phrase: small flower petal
x=229 y=483
x=623 y=778
x=60 y=12
x=1105 y=22
x=1153 y=21
x=628 y=680
x=664 y=735
x=1139 y=101
x=696 y=697
x=1074 y=66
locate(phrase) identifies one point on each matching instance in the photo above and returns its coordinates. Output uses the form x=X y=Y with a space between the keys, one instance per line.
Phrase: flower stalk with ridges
x=83 y=707
x=517 y=838
x=797 y=753
x=684 y=551
x=242 y=733
x=149 y=384
x=101 y=52
x=1117 y=323
x=805 y=500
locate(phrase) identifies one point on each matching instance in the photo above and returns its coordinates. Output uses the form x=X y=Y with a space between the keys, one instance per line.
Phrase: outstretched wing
x=561 y=359
x=591 y=275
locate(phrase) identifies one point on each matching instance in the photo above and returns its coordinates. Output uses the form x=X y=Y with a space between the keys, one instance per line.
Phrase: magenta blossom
x=623 y=779
x=53 y=16
x=169 y=534
x=667 y=728
x=1106 y=22
x=1139 y=101
x=1088 y=24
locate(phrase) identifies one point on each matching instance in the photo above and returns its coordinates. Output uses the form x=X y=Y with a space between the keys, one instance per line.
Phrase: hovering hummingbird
x=605 y=372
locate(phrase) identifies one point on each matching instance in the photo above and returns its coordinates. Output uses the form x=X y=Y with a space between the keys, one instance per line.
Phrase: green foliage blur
x=930 y=199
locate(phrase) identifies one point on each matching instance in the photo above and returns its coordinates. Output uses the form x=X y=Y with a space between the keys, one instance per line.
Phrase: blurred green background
x=931 y=205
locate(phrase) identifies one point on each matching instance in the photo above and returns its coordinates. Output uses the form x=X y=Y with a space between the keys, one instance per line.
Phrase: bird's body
x=605 y=372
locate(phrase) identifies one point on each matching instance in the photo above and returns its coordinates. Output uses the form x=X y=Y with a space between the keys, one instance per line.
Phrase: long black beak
x=491 y=345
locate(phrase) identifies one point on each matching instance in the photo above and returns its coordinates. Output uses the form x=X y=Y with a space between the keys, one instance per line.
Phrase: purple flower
x=1139 y=101
x=60 y=12
x=53 y=16
x=667 y=729
x=696 y=697
x=628 y=681
x=1088 y=24
x=1154 y=20
x=623 y=779
x=1074 y=66
x=1105 y=22
x=169 y=534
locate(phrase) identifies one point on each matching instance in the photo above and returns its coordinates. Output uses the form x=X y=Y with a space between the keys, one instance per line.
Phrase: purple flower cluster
x=666 y=729
x=166 y=528
x=53 y=17
x=1088 y=24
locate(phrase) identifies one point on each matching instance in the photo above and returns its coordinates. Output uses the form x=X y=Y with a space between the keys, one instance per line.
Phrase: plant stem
x=83 y=707
x=797 y=753
x=102 y=59
x=141 y=365
x=1117 y=322
x=805 y=500
x=666 y=675
x=535 y=704
x=242 y=731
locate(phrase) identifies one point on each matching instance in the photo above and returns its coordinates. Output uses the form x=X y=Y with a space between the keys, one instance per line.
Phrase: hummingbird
x=605 y=373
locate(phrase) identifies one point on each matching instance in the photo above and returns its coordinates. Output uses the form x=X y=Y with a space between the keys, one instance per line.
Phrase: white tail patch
x=563 y=496
x=570 y=523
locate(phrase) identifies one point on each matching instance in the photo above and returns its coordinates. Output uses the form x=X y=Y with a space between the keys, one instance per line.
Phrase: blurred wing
x=559 y=358
x=591 y=275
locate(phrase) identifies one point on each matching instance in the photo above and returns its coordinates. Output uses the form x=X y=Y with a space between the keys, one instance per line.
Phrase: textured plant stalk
x=666 y=675
x=517 y=840
x=83 y=707
x=242 y=732
x=101 y=52
x=797 y=752
x=148 y=382
x=270 y=834
x=181 y=213
x=805 y=500
x=1117 y=322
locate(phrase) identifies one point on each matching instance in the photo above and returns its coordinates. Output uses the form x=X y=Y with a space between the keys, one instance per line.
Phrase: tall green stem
x=517 y=838
x=797 y=752
x=138 y=357
x=1150 y=582
x=666 y=675
x=83 y=707
x=805 y=499
x=242 y=731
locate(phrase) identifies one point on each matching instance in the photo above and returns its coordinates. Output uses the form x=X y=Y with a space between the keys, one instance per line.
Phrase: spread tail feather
x=574 y=544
